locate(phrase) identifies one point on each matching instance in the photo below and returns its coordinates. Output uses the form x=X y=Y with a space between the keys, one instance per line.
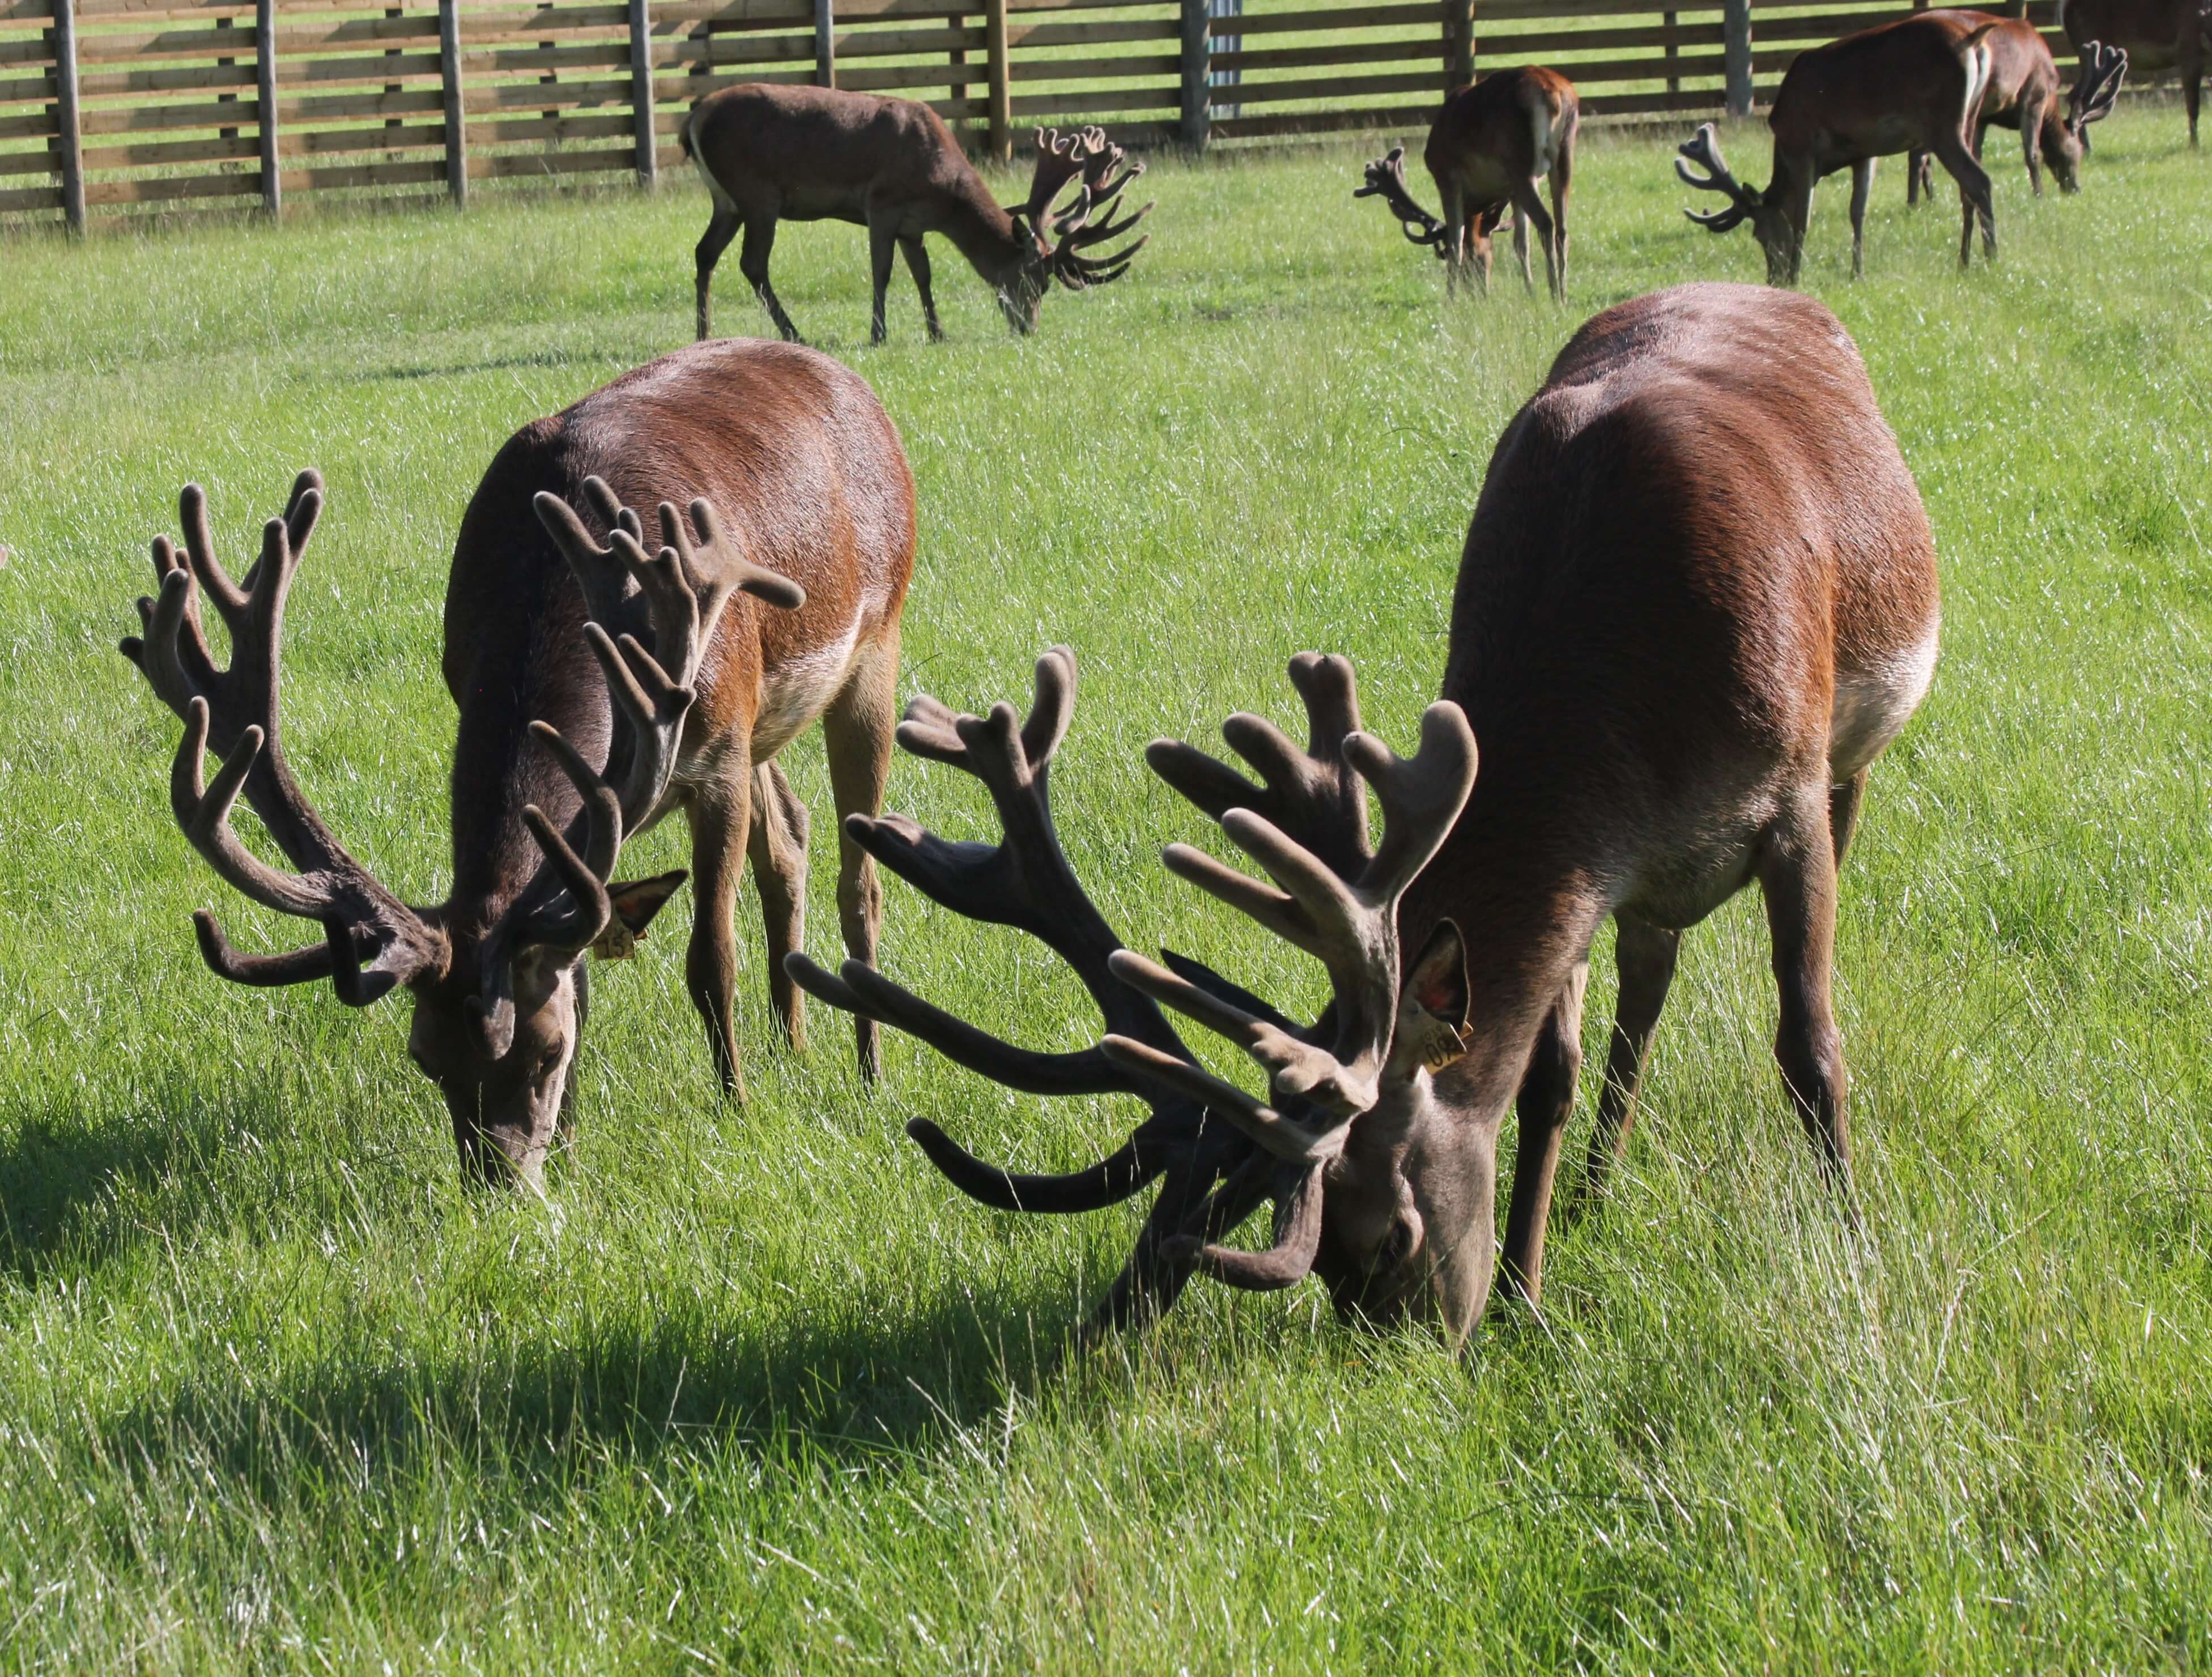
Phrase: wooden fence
x=116 y=107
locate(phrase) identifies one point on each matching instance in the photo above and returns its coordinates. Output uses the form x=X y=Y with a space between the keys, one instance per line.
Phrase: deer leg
x=1645 y=954
x=1547 y=1101
x=720 y=817
x=753 y=263
x=1521 y=253
x=1862 y=188
x=2192 y=91
x=883 y=245
x=1917 y=178
x=1532 y=211
x=1843 y=801
x=917 y=263
x=857 y=728
x=1797 y=874
x=711 y=243
x=2031 y=136
x=778 y=849
x=1457 y=232
x=1562 y=173
x=1973 y=195
x=1797 y=213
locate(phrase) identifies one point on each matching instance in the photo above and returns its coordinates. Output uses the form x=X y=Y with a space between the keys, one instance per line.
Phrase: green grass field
x=755 y=1388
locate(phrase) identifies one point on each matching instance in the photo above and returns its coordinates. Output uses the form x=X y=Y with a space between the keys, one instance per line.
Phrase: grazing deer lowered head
x=1912 y=85
x=1697 y=600
x=2157 y=35
x=1486 y=150
x=780 y=152
x=600 y=683
x=2023 y=94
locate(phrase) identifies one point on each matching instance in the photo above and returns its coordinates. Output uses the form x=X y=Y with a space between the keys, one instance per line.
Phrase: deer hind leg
x=857 y=729
x=917 y=263
x=722 y=817
x=778 y=850
x=1844 y=799
x=753 y=262
x=1975 y=201
x=1563 y=168
x=1645 y=954
x=720 y=230
x=1862 y=188
x=1532 y=211
x=1919 y=178
x=1797 y=874
x=1547 y=1101
x=1521 y=253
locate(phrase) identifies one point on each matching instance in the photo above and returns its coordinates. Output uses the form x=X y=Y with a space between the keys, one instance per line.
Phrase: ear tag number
x=616 y=942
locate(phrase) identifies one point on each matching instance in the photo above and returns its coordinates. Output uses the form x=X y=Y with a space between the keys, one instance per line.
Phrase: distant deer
x=1697 y=601
x=2023 y=94
x=1913 y=85
x=600 y=685
x=2157 y=35
x=1486 y=150
x=771 y=153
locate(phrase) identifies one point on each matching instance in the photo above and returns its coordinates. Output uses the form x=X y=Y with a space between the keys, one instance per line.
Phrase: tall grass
x=753 y=1389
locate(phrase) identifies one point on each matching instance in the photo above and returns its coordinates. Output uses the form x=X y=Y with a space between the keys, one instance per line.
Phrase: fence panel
x=30 y=136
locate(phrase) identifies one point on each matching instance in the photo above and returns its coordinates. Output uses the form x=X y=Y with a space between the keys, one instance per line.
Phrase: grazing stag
x=777 y=153
x=599 y=686
x=1492 y=142
x=2023 y=93
x=1912 y=85
x=2157 y=35
x=1697 y=600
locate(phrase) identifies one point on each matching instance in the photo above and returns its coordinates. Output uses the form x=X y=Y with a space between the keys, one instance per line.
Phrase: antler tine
x=1058 y=160
x=1385 y=179
x=1286 y=1262
x=1704 y=148
x=1421 y=798
x=203 y=811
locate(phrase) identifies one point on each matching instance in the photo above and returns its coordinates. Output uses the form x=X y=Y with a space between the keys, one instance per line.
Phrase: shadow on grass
x=63 y=1178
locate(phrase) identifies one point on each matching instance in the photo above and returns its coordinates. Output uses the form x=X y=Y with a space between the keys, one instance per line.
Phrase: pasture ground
x=755 y=1389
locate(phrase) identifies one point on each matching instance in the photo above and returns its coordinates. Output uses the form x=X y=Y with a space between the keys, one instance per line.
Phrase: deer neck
x=981 y=231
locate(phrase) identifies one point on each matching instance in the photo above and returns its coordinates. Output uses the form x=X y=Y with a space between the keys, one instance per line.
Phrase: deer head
x=2096 y=86
x=499 y=989
x=1386 y=179
x=1055 y=242
x=1337 y=1141
x=1777 y=238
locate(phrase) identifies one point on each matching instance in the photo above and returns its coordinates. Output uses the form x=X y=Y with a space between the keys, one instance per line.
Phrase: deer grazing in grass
x=1913 y=85
x=2157 y=35
x=2022 y=93
x=600 y=683
x=796 y=153
x=1697 y=600
x=1487 y=149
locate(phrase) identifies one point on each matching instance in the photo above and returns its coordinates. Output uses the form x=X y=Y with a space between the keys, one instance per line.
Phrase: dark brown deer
x=795 y=154
x=1697 y=600
x=2023 y=94
x=1913 y=85
x=2157 y=35
x=1487 y=149
x=600 y=685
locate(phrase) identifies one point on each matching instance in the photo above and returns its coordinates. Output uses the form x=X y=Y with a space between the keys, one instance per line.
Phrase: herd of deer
x=1697 y=599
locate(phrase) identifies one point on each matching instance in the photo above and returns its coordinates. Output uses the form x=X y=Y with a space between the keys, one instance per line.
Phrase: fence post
x=68 y=138
x=641 y=93
x=825 y=43
x=1197 y=71
x=457 y=120
x=1459 y=43
x=1002 y=104
x=1735 y=39
x=264 y=80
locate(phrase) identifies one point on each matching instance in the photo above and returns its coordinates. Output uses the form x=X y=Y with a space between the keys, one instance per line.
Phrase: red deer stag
x=2023 y=94
x=1487 y=149
x=1698 y=599
x=1911 y=85
x=599 y=686
x=775 y=153
x=2157 y=35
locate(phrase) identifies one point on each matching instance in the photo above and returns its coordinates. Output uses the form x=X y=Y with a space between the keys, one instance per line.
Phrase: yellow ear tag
x=1442 y=1042
x=616 y=942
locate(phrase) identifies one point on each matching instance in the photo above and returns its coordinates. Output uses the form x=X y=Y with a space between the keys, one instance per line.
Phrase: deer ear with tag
x=1432 y=1004
x=634 y=905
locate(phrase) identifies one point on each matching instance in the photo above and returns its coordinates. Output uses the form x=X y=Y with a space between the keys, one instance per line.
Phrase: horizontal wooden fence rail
x=121 y=107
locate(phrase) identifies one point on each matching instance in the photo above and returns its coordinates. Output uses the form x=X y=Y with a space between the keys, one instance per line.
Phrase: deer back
x=1884 y=90
x=1505 y=129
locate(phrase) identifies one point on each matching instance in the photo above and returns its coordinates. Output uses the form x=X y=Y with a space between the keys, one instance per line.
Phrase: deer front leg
x=721 y=815
x=753 y=263
x=882 y=244
x=1862 y=186
x=1456 y=231
x=1797 y=875
x=1547 y=1101
x=1646 y=955
x=917 y=263
x=778 y=851
x=857 y=730
x=711 y=243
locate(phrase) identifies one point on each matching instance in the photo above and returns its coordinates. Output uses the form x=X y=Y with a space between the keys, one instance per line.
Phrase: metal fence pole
x=69 y=140
x=456 y=121
x=641 y=93
x=1002 y=104
x=264 y=81
x=1197 y=71
x=1736 y=40
x=825 y=43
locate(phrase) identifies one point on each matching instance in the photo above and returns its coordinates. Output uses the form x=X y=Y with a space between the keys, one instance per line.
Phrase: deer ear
x=634 y=905
x=1432 y=1004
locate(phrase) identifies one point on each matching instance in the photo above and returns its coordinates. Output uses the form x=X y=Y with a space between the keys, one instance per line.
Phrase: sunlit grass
x=755 y=1388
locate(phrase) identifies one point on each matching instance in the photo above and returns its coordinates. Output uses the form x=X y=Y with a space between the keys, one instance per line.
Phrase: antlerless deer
x=2022 y=93
x=778 y=153
x=1697 y=600
x=600 y=685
